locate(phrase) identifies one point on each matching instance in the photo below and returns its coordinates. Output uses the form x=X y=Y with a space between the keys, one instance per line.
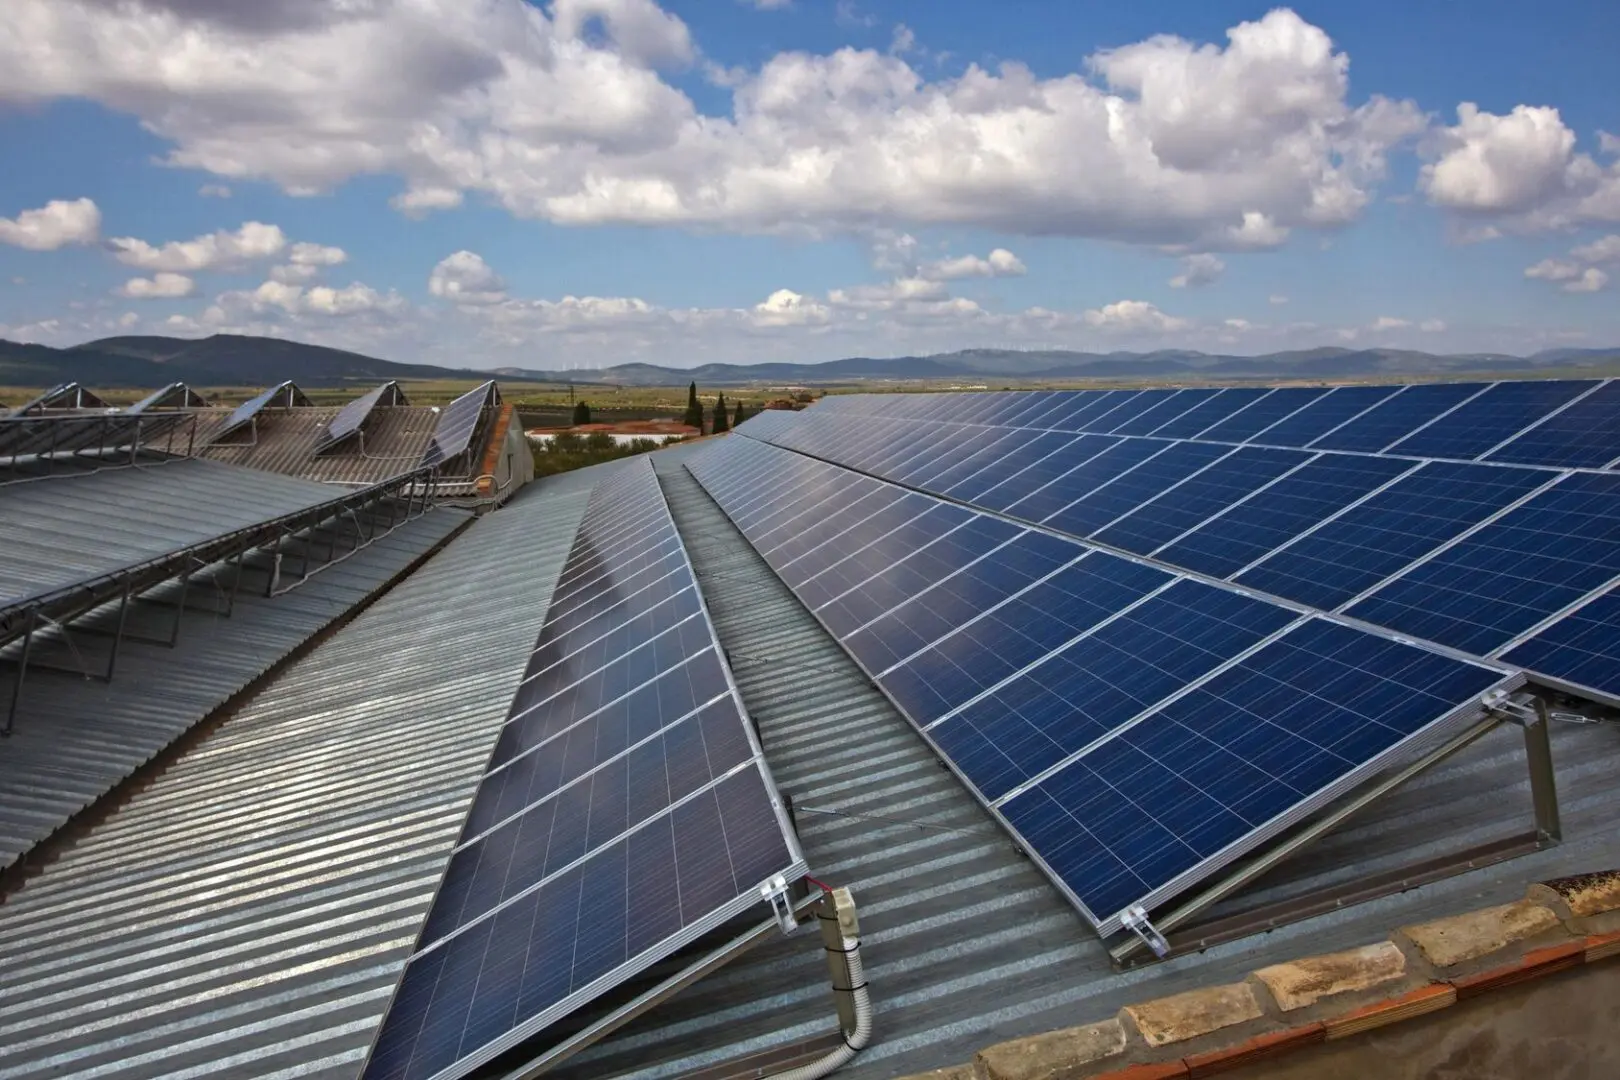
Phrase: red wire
x=824 y=887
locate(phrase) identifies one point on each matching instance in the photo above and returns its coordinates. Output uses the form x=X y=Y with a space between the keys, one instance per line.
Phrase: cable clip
x=1135 y=919
x=775 y=893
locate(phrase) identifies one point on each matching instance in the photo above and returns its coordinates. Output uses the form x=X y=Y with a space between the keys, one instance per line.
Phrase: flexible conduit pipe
x=849 y=951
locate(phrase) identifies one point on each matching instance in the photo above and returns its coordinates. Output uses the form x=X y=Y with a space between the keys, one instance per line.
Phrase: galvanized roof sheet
x=393 y=441
x=249 y=911
x=58 y=531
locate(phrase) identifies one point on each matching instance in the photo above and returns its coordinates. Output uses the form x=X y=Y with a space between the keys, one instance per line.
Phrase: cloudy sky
x=587 y=182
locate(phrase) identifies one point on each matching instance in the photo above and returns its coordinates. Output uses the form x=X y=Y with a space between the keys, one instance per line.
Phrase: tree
x=582 y=414
x=722 y=422
x=694 y=408
x=739 y=416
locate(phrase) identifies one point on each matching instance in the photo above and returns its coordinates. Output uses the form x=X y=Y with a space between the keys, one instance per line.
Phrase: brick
x=1053 y=1055
x=1460 y=938
x=1586 y=894
x=1198 y=1012
x=1419 y=1002
x=1252 y=1050
x=1533 y=965
x=1602 y=946
x=1303 y=983
x=1167 y=1070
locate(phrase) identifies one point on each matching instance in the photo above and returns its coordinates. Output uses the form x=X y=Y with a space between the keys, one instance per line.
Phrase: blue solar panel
x=1397 y=417
x=1209 y=412
x=1167 y=408
x=1488 y=419
x=625 y=768
x=1109 y=423
x=1277 y=514
x=1007 y=466
x=1084 y=408
x=1085 y=478
x=1013 y=446
x=1584 y=435
x=1175 y=463
x=1015 y=634
x=353 y=416
x=1321 y=416
x=878 y=556
x=1205 y=775
x=1582 y=648
x=1502 y=580
x=1199 y=498
x=1366 y=544
x=1263 y=412
x=1037 y=474
x=458 y=422
x=1100 y=681
x=935 y=612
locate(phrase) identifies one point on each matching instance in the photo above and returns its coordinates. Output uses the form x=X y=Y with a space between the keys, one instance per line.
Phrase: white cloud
x=127 y=320
x=1432 y=326
x=1132 y=316
x=903 y=41
x=1166 y=141
x=216 y=251
x=319 y=300
x=784 y=307
x=161 y=286
x=1389 y=322
x=56 y=224
x=1609 y=144
x=465 y=278
x=294 y=273
x=1277 y=299
x=1521 y=170
x=847 y=15
x=1553 y=270
x=1197 y=270
x=767 y=5
x=999 y=263
x=1590 y=280
x=417 y=202
x=214 y=191
x=307 y=254
x=1599 y=251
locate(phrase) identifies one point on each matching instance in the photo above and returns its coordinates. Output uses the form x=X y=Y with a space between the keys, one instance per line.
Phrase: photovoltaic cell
x=1499 y=582
x=457 y=423
x=1263 y=412
x=1488 y=419
x=1584 y=435
x=1382 y=536
x=1209 y=413
x=1339 y=406
x=1100 y=681
x=1207 y=771
x=1085 y=478
x=1199 y=498
x=1581 y=648
x=353 y=416
x=1397 y=417
x=1037 y=474
x=1276 y=514
x=1120 y=496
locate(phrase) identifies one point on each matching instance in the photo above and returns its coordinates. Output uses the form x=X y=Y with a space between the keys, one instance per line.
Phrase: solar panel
x=1335 y=408
x=1397 y=417
x=353 y=416
x=1208 y=413
x=1199 y=498
x=176 y=395
x=1583 y=434
x=69 y=395
x=1485 y=421
x=1173 y=464
x=625 y=811
x=1261 y=414
x=1071 y=688
x=458 y=422
x=285 y=395
x=1492 y=584
x=1581 y=649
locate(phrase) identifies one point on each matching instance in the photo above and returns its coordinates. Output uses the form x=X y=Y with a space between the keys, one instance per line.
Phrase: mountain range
x=234 y=360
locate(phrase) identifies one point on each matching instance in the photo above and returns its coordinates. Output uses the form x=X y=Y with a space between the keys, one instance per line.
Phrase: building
x=549 y=793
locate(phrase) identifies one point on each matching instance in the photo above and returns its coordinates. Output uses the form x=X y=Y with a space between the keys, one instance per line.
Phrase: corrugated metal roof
x=248 y=913
x=74 y=739
x=393 y=441
x=965 y=943
x=58 y=531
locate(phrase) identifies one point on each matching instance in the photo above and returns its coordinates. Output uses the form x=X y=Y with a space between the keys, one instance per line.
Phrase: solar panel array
x=1136 y=726
x=1481 y=516
x=626 y=809
x=177 y=395
x=286 y=396
x=458 y=423
x=352 y=417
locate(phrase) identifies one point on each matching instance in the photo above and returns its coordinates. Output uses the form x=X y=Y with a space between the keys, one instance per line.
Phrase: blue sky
x=587 y=182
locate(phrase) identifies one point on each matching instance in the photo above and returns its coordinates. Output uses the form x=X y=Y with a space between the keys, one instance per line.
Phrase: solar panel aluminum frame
x=670 y=946
x=1436 y=731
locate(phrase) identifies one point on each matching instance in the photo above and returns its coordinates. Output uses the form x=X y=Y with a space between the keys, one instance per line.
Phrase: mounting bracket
x=1517 y=709
x=1136 y=921
x=775 y=893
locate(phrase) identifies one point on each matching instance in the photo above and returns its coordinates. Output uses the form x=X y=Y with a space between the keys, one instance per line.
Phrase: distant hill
x=235 y=360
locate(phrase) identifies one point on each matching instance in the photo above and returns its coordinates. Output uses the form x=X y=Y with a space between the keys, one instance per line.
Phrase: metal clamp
x=1135 y=919
x=775 y=893
x=1518 y=709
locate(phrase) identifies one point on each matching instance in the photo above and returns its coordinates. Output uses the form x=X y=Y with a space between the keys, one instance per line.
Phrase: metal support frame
x=1179 y=930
